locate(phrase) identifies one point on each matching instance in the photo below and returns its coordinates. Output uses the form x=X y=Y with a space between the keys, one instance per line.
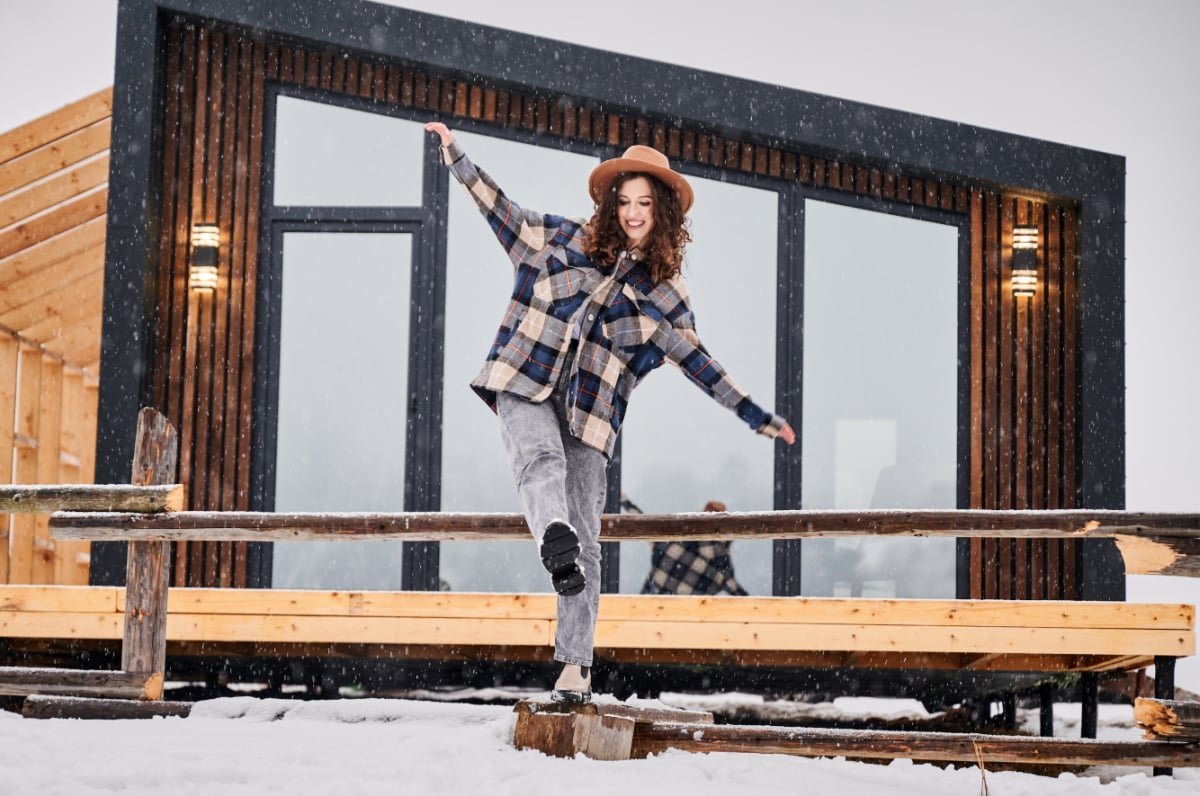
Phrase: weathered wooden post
x=147 y=571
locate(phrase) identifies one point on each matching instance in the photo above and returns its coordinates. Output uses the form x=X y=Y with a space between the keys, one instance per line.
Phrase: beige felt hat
x=645 y=160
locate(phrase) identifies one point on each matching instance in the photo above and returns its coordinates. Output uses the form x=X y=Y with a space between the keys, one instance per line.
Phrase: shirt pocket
x=628 y=333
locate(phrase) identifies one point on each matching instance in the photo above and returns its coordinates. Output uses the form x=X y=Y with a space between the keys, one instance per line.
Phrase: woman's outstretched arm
x=698 y=366
x=523 y=233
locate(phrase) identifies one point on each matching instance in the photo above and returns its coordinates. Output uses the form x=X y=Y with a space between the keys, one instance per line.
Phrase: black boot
x=560 y=557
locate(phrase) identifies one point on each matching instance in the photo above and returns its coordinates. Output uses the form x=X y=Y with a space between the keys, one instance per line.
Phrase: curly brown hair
x=663 y=252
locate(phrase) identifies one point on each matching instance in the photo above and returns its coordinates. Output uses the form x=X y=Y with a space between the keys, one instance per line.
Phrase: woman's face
x=635 y=210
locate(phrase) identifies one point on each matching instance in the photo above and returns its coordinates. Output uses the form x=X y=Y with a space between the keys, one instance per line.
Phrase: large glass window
x=342 y=399
x=679 y=448
x=479 y=276
x=330 y=156
x=880 y=394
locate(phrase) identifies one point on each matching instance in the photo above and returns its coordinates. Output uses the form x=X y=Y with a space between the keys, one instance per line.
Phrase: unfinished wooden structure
x=53 y=200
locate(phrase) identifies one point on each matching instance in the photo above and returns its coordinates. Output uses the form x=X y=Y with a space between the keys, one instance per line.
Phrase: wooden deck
x=988 y=635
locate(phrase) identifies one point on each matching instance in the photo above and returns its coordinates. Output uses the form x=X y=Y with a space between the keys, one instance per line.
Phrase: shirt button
x=591 y=317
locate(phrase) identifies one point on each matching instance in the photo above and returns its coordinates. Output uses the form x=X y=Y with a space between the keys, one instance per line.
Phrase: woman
x=595 y=307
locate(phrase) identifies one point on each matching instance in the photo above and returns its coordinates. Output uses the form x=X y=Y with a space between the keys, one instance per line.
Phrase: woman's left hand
x=787 y=435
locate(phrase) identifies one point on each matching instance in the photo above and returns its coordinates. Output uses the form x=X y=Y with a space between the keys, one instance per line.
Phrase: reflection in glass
x=479 y=276
x=880 y=394
x=679 y=448
x=342 y=399
x=330 y=156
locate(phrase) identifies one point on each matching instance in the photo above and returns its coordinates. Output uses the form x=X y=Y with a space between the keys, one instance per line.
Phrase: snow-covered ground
x=244 y=745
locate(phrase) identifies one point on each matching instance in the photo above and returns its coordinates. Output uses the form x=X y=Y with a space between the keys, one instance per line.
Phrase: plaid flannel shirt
x=627 y=324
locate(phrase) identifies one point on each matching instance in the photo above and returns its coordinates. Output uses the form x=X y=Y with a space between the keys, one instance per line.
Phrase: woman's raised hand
x=442 y=131
x=787 y=434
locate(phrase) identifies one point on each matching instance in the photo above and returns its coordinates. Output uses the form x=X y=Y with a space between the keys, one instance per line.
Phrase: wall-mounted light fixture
x=1024 y=264
x=206 y=240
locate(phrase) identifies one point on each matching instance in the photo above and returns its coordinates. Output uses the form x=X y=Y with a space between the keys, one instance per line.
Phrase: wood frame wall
x=53 y=197
x=1024 y=370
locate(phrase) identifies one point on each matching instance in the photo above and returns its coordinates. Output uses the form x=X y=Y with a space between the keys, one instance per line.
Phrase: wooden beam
x=147 y=572
x=40 y=287
x=59 y=707
x=62 y=218
x=55 y=125
x=105 y=684
x=65 y=152
x=53 y=191
x=90 y=497
x=34 y=259
x=921 y=746
x=1175 y=538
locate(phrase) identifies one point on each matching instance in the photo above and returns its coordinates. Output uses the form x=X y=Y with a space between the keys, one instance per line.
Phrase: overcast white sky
x=1121 y=77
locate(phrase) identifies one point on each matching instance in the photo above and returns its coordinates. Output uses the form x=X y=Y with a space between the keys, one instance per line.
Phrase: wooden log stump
x=1168 y=720
x=599 y=730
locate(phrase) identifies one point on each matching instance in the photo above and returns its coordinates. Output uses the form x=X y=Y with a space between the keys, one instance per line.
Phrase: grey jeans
x=559 y=478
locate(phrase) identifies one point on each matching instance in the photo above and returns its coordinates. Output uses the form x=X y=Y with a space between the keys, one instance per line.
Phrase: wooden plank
x=33 y=498
x=60 y=707
x=922 y=746
x=64 y=217
x=1052 y=297
x=49 y=445
x=29 y=385
x=848 y=637
x=24 y=299
x=54 y=157
x=30 y=261
x=240 y=495
x=100 y=683
x=53 y=126
x=1037 y=374
x=1070 y=345
x=71 y=557
x=991 y=363
x=1005 y=490
x=60 y=625
x=54 y=191
x=9 y=348
x=168 y=241
x=62 y=316
x=60 y=599
x=650 y=608
x=1021 y=386
x=568 y=735
x=367 y=630
x=147 y=575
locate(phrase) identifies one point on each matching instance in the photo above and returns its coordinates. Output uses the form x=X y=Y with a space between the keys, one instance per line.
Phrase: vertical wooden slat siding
x=991 y=228
x=1054 y=345
x=976 y=332
x=1021 y=430
x=1037 y=368
x=1021 y=393
x=1021 y=384
x=1005 y=335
